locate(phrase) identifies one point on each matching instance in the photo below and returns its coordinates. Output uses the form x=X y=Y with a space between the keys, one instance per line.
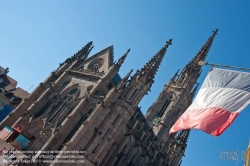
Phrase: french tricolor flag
x=223 y=95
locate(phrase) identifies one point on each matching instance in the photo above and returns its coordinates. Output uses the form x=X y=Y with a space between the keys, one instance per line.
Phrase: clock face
x=95 y=65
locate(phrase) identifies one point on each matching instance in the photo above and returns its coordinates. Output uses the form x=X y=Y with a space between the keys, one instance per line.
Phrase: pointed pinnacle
x=127 y=75
x=84 y=51
x=124 y=80
x=215 y=32
x=87 y=54
x=169 y=42
x=186 y=136
x=90 y=49
x=130 y=72
x=158 y=56
x=121 y=60
x=173 y=78
x=159 y=59
x=201 y=55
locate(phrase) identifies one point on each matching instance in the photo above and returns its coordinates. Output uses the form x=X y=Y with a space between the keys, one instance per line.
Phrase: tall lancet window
x=164 y=107
x=133 y=94
x=45 y=107
x=62 y=105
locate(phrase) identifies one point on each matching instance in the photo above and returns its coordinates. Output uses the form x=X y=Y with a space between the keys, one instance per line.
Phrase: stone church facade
x=84 y=106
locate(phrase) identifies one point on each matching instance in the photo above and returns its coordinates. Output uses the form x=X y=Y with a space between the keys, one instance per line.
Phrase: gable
x=102 y=59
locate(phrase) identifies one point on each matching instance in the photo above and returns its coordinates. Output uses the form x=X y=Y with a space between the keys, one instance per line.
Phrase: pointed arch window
x=62 y=105
x=164 y=107
x=95 y=149
x=133 y=94
x=45 y=107
x=71 y=109
x=118 y=116
x=103 y=137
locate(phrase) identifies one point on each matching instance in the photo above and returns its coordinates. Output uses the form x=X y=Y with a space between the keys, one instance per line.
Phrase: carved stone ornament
x=95 y=65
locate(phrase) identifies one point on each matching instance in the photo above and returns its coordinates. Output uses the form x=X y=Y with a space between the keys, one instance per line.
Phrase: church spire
x=187 y=132
x=192 y=70
x=124 y=81
x=83 y=53
x=152 y=66
x=177 y=148
x=142 y=80
x=202 y=54
x=86 y=55
x=122 y=59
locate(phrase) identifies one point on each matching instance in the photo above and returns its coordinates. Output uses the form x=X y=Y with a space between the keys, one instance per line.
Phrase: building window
x=45 y=107
x=72 y=92
x=66 y=101
x=118 y=116
x=95 y=149
x=133 y=94
x=96 y=65
x=103 y=137
x=165 y=106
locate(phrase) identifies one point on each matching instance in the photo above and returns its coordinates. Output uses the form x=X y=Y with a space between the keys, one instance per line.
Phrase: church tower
x=125 y=151
x=174 y=99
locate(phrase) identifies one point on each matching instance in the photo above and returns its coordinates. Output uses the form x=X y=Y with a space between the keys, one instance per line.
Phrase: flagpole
x=214 y=65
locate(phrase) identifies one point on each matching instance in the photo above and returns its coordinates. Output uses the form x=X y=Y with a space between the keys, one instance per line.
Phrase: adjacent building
x=10 y=95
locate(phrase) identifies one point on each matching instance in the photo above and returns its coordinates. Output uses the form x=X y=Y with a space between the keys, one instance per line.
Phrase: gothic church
x=85 y=106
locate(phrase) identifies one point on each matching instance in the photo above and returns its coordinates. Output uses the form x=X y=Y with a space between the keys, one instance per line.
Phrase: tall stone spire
x=124 y=81
x=83 y=53
x=174 y=99
x=80 y=56
x=177 y=147
x=143 y=79
x=122 y=59
x=193 y=69
x=152 y=66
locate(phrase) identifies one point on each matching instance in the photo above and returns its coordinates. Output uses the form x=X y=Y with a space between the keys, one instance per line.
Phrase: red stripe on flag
x=213 y=120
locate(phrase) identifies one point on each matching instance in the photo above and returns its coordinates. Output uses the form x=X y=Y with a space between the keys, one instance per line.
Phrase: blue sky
x=36 y=36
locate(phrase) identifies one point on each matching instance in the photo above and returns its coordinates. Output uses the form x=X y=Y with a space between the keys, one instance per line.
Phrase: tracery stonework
x=99 y=113
x=95 y=65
